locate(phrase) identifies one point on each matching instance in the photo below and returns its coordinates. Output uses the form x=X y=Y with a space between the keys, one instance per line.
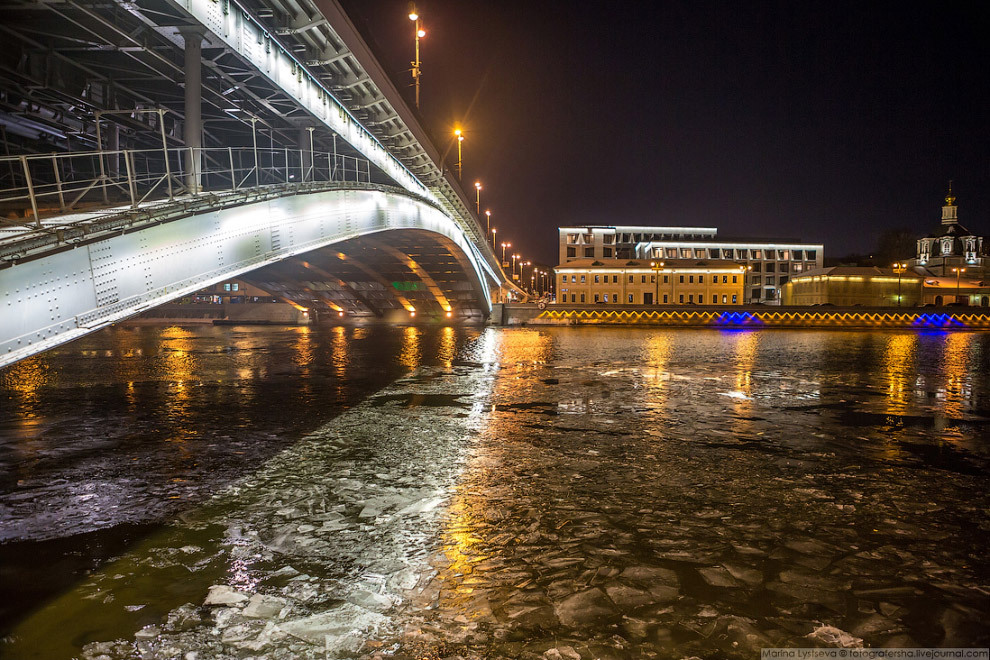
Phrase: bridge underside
x=388 y=275
x=358 y=250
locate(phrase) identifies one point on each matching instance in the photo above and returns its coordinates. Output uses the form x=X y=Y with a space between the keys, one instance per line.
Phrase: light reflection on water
x=607 y=449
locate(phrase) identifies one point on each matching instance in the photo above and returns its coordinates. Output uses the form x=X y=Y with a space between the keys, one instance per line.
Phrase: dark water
x=104 y=439
x=558 y=493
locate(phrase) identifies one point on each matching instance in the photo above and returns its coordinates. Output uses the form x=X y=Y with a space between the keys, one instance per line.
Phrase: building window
x=757 y=267
x=597 y=298
x=226 y=286
x=572 y=238
x=608 y=239
x=605 y=298
x=666 y=279
x=734 y=299
x=653 y=279
x=714 y=300
x=233 y=287
x=665 y=299
x=682 y=279
x=574 y=278
x=735 y=280
x=682 y=298
x=756 y=254
x=643 y=279
x=810 y=255
x=724 y=297
x=630 y=297
x=582 y=282
x=798 y=255
x=771 y=268
x=691 y=278
x=701 y=279
x=572 y=252
x=563 y=279
x=589 y=252
x=685 y=253
x=754 y=294
x=630 y=279
x=574 y=297
x=784 y=267
x=615 y=279
x=607 y=252
x=725 y=279
x=596 y=279
x=582 y=297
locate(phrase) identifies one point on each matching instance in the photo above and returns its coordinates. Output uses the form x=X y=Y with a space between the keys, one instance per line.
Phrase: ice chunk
x=832 y=636
x=221 y=594
x=589 y=607
x=263 y=607
x=339 y=623
x=650 y=574
x=716 y=576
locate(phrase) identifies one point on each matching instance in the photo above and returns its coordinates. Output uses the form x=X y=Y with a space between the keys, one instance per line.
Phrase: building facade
x=855 y=286
x=641 y=282
x=952 y=248
x=770 y=263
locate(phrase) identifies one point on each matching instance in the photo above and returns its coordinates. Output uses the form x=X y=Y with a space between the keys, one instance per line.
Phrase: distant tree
x=895 y=245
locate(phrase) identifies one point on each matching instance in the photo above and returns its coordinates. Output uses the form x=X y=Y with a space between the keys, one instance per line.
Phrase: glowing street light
x=416 y=64
x=504 y=262
x=477 y=189
x=460 y=138
x=899 y=268
x=656 y=266
x=958 y=272
x=488 y=222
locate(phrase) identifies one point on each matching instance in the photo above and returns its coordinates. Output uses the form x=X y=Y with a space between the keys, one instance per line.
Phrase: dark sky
x=827 y=121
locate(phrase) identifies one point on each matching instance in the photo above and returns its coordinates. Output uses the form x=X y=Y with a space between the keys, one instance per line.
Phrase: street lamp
x=899 y=268
x=460 y=138
x=488 y=222
x=420 y=33
x=958 y=272
x=514 y=257
x=656 y=266
x=504 y=262
x=477 y=189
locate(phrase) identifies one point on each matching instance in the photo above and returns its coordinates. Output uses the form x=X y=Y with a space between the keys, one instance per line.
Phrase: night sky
x=825 y=122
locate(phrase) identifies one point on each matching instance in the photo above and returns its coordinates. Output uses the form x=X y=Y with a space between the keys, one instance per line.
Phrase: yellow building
x=642 y=282
x=850 y=286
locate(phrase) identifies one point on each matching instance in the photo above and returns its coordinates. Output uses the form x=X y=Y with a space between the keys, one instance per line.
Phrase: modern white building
x=770 y=262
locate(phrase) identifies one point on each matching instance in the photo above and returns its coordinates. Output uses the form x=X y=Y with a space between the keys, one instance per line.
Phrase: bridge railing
x=33 y=186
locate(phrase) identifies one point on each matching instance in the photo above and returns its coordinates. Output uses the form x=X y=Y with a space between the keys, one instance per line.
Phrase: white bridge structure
x=157 y=147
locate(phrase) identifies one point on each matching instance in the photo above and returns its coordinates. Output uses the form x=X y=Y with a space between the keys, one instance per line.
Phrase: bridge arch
x=51 y=297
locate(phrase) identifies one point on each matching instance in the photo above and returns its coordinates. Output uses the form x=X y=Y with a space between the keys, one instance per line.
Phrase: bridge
x=152 y=149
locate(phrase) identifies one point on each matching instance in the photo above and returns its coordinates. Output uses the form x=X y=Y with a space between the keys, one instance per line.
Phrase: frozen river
x=206 y=493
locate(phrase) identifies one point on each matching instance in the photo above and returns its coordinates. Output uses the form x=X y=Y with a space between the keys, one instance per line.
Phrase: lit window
x=233 y=287
x=596 y=279
x=734 y=297
x=574 y=278
x=226 y=286
x=582 y=282
x=630 y=298
x=724 y=300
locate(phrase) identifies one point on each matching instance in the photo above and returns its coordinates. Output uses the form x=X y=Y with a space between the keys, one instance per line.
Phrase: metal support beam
x=192 y=129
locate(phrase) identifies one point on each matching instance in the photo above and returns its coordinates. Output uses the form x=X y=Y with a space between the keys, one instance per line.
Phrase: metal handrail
x=54 y=184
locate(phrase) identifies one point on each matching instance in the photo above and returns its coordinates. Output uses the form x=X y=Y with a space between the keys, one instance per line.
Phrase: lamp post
x=958 y=272
x=460 y=138
x=504 y=262
x=899 y=268
x=656 y=266
x=477 y=189
x=420 y=33
x=494 y=232
x=514 y=257
x=488 y=222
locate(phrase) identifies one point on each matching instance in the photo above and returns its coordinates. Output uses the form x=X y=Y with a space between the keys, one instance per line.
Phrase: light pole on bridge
x=416 y=64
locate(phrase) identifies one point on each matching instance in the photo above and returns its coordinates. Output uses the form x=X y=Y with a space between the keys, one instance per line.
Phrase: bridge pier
x=192 y=128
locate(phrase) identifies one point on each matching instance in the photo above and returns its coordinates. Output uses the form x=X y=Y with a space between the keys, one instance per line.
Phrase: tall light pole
x=494 y=240
x=460 y=138
x=899 y=268
x=958 y=272
x=514 y=257
x=477 y=190
x=488 y=222
x=416 y=64
x=504 y=262
x=656 y=266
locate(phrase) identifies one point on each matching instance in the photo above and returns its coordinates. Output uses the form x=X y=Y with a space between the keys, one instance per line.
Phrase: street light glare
x=413 y=16
x=421 y=34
